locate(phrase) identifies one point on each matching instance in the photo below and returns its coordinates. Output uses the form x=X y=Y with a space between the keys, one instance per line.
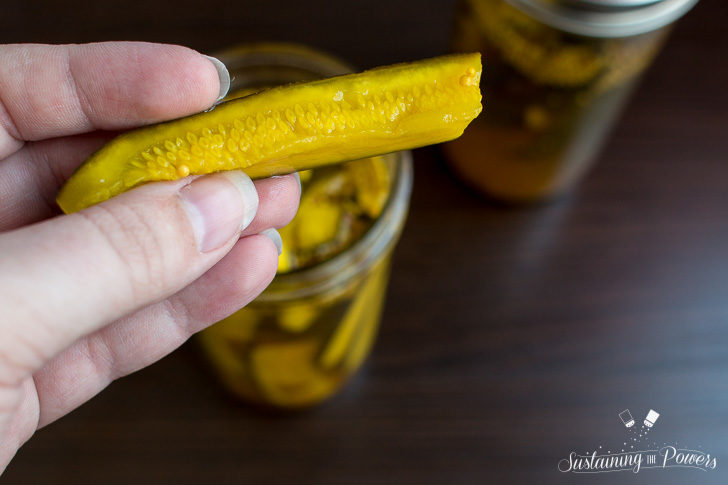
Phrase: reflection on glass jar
x=305 y=335
x=555 y=77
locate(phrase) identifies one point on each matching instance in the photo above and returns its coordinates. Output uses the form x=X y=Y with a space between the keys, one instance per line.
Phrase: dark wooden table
x=511 y=336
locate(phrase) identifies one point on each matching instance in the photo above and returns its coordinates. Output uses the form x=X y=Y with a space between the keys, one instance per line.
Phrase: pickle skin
x=291 y=128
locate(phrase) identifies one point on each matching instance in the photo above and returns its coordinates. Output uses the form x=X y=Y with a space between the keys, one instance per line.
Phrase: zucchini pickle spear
x=291 y=128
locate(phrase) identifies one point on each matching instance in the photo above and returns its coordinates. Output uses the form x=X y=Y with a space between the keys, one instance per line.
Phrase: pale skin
x=90 y=297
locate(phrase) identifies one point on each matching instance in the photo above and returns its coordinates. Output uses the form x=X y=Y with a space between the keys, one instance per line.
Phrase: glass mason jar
x=556 y=74
x=313 y=327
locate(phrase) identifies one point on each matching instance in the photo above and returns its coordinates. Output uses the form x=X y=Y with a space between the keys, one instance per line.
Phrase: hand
x=89 y=297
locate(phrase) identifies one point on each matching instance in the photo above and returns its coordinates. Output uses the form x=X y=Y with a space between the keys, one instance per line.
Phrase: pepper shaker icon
x=626 y=418
x=651 y=418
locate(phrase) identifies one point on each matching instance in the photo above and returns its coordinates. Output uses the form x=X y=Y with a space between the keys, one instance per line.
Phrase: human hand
x=89 y=297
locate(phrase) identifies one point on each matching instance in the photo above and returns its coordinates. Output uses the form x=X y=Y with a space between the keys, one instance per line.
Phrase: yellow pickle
x=556 y=75
x=298 y=126
x=311 y=330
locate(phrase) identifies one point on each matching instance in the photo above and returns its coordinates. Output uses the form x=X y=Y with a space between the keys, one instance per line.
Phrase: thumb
x=68 y=276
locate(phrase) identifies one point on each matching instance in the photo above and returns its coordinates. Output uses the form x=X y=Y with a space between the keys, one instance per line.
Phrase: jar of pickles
x=556 y=74
x=313 y=327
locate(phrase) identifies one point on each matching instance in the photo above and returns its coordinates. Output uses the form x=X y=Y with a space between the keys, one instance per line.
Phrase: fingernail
x=219 y=206
x=222 y=74
x=274 y=236
x=295 y=176
x=298 y=179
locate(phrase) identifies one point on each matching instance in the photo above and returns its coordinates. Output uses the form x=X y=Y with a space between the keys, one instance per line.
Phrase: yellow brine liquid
x=551 y=98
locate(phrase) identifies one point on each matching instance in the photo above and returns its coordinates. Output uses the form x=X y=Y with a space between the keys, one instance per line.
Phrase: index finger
x=56 y=90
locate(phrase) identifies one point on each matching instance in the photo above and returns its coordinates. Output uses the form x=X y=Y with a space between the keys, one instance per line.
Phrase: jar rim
x=384 y=232
x=605 y=18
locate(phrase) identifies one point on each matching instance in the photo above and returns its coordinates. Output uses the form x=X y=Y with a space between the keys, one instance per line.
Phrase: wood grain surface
x=511 y=336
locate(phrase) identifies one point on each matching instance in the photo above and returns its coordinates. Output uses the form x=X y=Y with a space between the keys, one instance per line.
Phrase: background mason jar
x=312 y=328
x=556 y=75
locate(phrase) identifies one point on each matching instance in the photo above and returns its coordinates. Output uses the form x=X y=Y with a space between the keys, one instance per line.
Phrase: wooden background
x=510 y=337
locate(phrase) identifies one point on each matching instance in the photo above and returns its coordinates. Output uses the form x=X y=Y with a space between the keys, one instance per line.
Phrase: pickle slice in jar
x=298 y=317
x=341 y=339
x=361 y=344
x=363 y=340
x=364 y=310
x=318 y=222
x=286 y=375
x=372 y=180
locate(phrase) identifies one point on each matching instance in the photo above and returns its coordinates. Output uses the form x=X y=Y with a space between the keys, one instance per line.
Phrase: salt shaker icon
x=651 y=418
x=626 y=418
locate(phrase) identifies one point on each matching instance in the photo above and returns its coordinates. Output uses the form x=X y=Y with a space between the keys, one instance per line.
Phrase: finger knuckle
x=101 y=357
x=134 y=244
x=178 y=312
